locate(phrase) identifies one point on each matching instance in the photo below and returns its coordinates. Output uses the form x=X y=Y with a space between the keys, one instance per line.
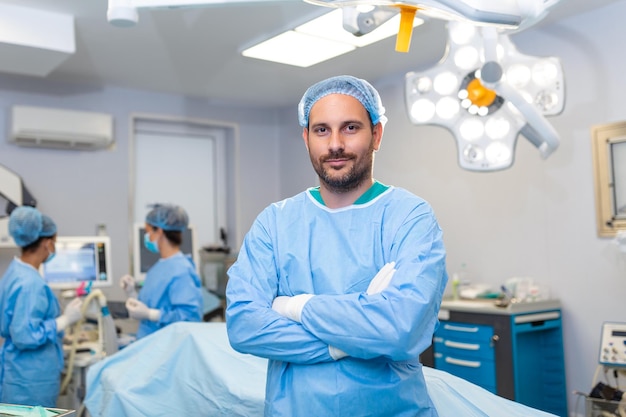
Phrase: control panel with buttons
x=613 y=345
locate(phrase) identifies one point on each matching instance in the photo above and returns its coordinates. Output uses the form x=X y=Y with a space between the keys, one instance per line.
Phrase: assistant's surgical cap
x=347 y=85
x=27 y=224
x=48 y=227
x=168 y=217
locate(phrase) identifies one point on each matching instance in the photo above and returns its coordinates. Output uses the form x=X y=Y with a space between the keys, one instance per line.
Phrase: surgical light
x=361 y=17
x=505 y=14
x=423 y=110
x=488 y=104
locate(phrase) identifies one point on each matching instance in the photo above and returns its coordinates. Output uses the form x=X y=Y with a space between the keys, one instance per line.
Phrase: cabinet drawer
x=465 y=332
x=479 y=372
x=464 y=349
x=464 y=341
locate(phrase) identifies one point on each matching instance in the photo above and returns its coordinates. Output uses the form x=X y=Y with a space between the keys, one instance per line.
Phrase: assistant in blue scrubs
x=172 y=289
x=31 y=323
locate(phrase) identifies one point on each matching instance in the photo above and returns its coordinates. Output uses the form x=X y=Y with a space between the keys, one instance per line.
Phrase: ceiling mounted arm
x=361 y=22
x=13 y=190
x=124 y=13
x=537 y=129
x=506 y=15
x=502 y=13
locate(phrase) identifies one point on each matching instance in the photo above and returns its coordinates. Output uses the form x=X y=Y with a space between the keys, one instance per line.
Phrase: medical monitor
x=143 y=259
x=79 y=260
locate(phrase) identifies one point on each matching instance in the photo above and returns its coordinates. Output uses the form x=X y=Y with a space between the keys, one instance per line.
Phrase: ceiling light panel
x=319 y=40
x=297 y=49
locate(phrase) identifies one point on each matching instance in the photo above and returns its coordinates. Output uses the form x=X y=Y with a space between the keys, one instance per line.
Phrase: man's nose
x=336 y=141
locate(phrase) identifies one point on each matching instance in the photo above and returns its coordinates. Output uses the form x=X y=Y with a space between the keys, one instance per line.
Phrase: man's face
x=341 y=142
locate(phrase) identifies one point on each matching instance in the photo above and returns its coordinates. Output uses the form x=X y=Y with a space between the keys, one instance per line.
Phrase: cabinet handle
x=461 y=362
x=459 y=345
x=539 y=317
x=460 y=328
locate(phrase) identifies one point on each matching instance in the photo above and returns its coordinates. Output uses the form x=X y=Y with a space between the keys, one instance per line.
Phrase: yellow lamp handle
x=407 y=18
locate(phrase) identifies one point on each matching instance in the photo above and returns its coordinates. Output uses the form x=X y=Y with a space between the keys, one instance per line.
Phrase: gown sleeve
x=30 y=328
x=399 y=322
x=253 y=327
x=184 y=300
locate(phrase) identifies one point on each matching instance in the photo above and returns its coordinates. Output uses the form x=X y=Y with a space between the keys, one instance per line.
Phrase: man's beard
x=360 y=171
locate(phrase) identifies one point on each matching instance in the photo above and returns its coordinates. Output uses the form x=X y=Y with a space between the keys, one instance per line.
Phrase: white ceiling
x=196 y=52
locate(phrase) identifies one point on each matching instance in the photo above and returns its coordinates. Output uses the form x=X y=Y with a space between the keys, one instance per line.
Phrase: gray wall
x=536 y=219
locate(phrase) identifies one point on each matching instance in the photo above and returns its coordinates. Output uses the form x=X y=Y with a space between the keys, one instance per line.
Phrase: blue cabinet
x=514 y=352
x=466 y=350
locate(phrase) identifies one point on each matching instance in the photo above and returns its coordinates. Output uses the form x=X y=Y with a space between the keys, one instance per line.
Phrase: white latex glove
x=71 y=314
x=139 y=311
x=378 y=283
x=382 y=279
x=127 y=282
x=291 y=307
x=335 y=353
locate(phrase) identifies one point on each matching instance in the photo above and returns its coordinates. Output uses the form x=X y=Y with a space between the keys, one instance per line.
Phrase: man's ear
x=377 y=133
x=305 y=137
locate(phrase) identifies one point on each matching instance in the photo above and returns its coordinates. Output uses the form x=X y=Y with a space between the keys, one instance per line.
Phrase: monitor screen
x=143 y=259
x=79 y=260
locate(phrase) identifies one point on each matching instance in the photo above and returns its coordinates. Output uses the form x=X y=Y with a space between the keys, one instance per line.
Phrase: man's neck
x=334 y=200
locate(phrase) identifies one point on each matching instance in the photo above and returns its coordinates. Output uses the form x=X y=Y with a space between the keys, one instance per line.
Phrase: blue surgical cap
x=48 y=227
x=27 y=224
x=168 y=217
x=343 y=84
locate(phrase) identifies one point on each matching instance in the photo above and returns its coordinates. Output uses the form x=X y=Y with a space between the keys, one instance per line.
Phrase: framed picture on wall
x=609 y=163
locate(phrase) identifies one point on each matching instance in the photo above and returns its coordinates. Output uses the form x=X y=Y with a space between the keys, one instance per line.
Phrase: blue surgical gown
x=173 y=287
x=32 y=354
x=300 y=246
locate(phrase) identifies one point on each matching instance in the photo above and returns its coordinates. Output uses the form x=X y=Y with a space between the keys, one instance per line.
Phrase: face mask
x=51 y=255
x=150 y=245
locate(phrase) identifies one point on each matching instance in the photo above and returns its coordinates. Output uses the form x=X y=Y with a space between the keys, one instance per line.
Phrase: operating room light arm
x=510 y=14
x=537 y=130
x=123 y=13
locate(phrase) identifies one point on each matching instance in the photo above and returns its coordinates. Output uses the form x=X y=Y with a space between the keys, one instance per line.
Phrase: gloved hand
x=127 y=282
x=336 y=354
x=382 y=279
x=71 y=314
x=291 y=307
x=139 y=311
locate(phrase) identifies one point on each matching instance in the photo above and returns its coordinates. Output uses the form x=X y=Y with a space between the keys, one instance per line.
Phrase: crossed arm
x=394 y=317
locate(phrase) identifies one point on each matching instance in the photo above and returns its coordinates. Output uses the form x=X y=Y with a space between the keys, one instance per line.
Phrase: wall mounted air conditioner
x=60 y=129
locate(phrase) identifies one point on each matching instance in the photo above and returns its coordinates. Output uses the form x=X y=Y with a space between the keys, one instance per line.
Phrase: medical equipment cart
x=604 y=399
x=515 y=351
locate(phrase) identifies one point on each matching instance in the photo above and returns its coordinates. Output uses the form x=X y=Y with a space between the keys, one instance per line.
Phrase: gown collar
x=374 y=191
